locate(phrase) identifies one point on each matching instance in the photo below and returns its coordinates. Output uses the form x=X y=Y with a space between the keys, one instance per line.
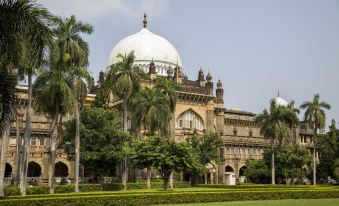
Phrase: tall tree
x=54 y=94
x=76 y=57
x=316 y=119
x=327 y=148
x=24 y=27
x=151 y=109
x=206 y=147
x=123 y=79
x=165 y=155
x=102 y=140
x=293 y=121
x=170 y=90
x=274 y=126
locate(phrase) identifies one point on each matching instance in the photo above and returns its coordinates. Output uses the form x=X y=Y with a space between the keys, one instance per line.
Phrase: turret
x=178 y=76
x=152 y=71
x=209 y=84
x=101 y=78
x=201 y=78
x=219 y=93
x=170 y=72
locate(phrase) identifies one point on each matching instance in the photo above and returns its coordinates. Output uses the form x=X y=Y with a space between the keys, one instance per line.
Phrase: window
x=33 y=141
x=42 y=141
x=190 y=120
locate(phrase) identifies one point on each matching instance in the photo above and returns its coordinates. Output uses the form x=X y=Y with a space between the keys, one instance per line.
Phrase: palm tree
x=293 y=120
x=316 y=119
x=170 y=90
x=82 y=83
x=274 y=126
x=54 y=95
x=24 y=27
x=151 y=108
x=8 y=82
x=76 y=58
x=123 y=79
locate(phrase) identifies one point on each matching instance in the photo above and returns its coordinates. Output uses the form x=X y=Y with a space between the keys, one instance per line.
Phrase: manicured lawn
x=302 y=202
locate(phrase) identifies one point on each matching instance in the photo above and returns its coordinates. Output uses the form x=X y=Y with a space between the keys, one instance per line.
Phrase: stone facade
x=197 y=110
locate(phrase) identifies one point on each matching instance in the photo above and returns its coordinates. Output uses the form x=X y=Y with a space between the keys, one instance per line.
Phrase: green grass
x=301 y=202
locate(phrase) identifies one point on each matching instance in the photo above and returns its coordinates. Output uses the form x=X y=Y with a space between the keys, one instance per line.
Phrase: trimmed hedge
x=263 y=186
x=170 y=198
x=43 y=189
x=141 y=185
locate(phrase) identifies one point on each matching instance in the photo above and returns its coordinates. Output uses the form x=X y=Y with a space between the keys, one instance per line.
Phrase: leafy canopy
x=102 y=140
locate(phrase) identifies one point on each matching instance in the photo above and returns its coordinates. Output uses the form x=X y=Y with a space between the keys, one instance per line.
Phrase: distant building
x=200 y=108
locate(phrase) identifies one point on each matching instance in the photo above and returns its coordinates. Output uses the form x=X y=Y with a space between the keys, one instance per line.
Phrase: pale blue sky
x=256 y=47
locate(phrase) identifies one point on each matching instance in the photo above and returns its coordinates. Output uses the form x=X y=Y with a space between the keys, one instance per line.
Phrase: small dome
x=280 y=101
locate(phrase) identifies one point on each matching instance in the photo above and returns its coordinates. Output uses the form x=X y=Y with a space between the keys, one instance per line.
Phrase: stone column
x=210 y=116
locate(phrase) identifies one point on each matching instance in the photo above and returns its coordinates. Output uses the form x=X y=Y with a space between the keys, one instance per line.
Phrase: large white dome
x=147 y=47
x=280 y=101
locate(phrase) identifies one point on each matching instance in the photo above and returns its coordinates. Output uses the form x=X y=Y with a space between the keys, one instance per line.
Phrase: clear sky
x=256 y=47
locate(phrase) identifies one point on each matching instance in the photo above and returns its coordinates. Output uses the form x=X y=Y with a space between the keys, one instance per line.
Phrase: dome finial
x=145 y=20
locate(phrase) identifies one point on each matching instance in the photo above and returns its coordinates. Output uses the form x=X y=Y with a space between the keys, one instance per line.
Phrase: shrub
x=119 y=199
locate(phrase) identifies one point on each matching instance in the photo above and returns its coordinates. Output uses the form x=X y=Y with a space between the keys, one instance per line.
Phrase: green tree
x=102 y=140
x=291 y=160
x=274 y=126
x=257 y=171
x=293 y=121
x=151 y=109
x=54 y=94
x=327 y=148
x=206 y=147
x=76 y=51
x=123 y=79
x=170 y=90
x=316 y=119
x=24 y=27
x=165 y=155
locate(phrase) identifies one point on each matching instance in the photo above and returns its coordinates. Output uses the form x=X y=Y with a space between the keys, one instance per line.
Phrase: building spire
x=145 y=20
x=278 y=94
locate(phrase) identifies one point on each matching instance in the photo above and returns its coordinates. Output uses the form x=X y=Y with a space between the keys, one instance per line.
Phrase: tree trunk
x=77 y=148
x=51 y=164
x=205 y=177
x=27 y=137
x=125 y=169
x=315 y=156
x=18 y=156
x=171 y=180
x=272 y=163
x=149 y=178
x=166 y=178
x=3 y=157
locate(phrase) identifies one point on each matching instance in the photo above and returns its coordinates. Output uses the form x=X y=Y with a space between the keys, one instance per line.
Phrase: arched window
x=190 y=120
x=229 y=169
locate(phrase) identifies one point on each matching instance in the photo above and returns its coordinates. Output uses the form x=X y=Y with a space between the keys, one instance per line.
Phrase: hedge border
x=171 y=198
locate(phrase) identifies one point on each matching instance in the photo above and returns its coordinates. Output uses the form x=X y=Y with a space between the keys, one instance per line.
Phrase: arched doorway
x=242 y=174
x=61 y=170
x=8 y=170
x=229 y=175
x=229 y=169
x=34 y=169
